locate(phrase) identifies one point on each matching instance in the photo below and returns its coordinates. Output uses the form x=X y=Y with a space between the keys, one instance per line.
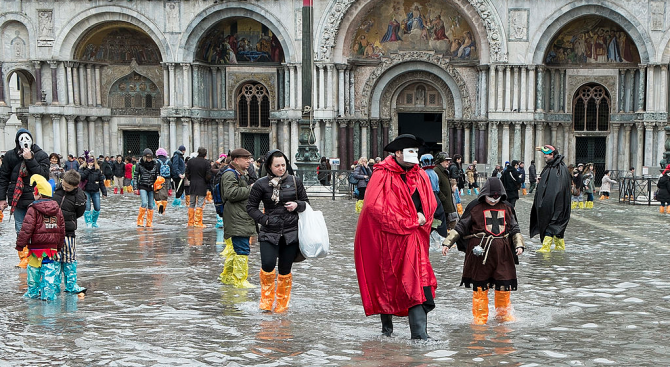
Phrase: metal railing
x=637 y=190
x=334 y=183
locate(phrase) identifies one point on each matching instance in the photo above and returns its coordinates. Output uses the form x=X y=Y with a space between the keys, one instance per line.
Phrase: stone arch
x=131 y=87
x=341 y=14
x=7 y=18
x=399 y=64
x=555 y=22
x=389 y=97
x=261 y=79
x=27 y=78
x=609 y=82
x=68 y=38
x=202 y=22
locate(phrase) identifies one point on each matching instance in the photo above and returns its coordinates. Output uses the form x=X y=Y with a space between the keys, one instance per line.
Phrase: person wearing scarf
x=391 y=248
x=19 y=164
x=283 y=196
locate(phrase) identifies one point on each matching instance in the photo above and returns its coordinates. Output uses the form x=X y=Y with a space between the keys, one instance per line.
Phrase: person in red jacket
x=43 y=232
x=393 y=238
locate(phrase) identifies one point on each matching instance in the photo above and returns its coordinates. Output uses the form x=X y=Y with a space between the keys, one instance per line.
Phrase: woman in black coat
x=664 y=191
x=283 y=196
x=512 y=182
x=93 y=183
x=199 y=175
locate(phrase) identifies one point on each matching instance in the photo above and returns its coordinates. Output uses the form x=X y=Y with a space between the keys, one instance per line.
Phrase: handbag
x=312 y=233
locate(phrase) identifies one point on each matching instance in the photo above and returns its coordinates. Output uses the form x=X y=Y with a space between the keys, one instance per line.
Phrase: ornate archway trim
x=26 y=22
x=263 y=79
x=199 y=25
x=330 y=26
x=397 y=64
x=551 y=25
x=393 y=89
x=67 y=39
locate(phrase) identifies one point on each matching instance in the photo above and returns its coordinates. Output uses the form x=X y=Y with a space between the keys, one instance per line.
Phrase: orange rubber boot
x=191 y=217
x=23 y=258
x=480 y=306
x=140 y=217
x=503 y=306
x=208 y=198
x=267 y=290
x=284 y=285
x=198 y=218
x=661 y=210
x=524 y=192
x=188 y=200
x=150 y=218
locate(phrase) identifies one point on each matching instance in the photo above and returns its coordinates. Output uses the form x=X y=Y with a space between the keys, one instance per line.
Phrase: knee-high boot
x=226 y=276
x=140 y=217
x=49 y=273
x=480 y=306
x=559 y=243
x=241 y=272
x=198 y=218
x=191 y=217
x=150 y=218
x=70 y=275
x=503 y=306
x=418 y=322
x=284 y=285
x=95 y=214
x=387 y=325
x=268 y=287
x=33 y=282
x=546 y=244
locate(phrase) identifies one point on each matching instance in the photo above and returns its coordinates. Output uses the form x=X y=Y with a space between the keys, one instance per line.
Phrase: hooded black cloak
x=551 y=207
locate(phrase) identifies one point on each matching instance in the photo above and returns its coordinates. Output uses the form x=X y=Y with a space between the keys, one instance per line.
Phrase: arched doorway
x=253 y=118
x=421 y=112
x=21 y=92
x=590 y=120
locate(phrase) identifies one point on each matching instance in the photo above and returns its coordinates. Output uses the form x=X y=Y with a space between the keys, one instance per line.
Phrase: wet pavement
x=154 y=299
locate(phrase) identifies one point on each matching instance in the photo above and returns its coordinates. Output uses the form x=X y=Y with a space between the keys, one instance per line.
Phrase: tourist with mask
x=391 y=248
x=489 y=235
x=146 y=173
x=551 y=206
x=93 y=184
x=283 y=196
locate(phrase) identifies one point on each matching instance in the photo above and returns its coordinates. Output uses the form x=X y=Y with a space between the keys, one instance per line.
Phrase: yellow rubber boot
x=226 y=276
x=191 y=217
x=241 y=272
x=559 y=244
x=228 y=250
x=268 y=287
x=198 y=219
x=140 y=217
x=589 y=205
x=581 y=205
x=23 y=258
x=573 y=205
x=503 y=306
x=480 y=306
x=284 y=285
x=359 y=206
x=546 y=244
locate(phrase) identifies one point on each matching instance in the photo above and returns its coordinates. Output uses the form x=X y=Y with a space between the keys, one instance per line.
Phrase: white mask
x=492 y=201
x=25 y=141
x=411 y=155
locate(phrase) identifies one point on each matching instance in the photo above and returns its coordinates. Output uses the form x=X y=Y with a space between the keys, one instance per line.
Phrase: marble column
x=340 y=92
x=663 y=96
x=626 y=147
x=38 y=137
x=516 y=150
x=321 y=91
x=552 y=90
x=166 y=85
x=639 y=126
x=71 y=135
x=567 y=153
x=221 y=136
x=346 y=94
x=622 y=90
x=508 y=88
x=286 y=141
x=352 y=89
x=350 y=142
x=531 y=88
x=196 y=133
x=523 y=104
x=293 y=87
x=528 y=146
x=484 y=91
x=517 y=92
x=328 y=141
x=539 y=141
x=329 y=89
x=342 y=145
x=615 y=147
x=214 y=100
x=98 y=92
x=75 y=84
x=492 y=88
x=648 y=143
x=561 y=91
x=53 y=65
x=171 y=84
x=505 y=142
x=2 y=103
x=91 y=135
x=287 y=86
x=295 y=132
x=385 y=133
x=640 y=90
x=55 y=126
x=68 y=82
x=173 y=134
x=82 y=85
x=630 y=89
x=273 y=129
x=90 y=83
x=81 y=146
x=540 y=89
x=554 y=130
x=38 y=81
x=660 y=142
x=467 y=146
x=459 y=139
x=186 y=133
x=106 y=135
x=493 y=143
x=500 y=85
x=374 y=138
x=364 y=138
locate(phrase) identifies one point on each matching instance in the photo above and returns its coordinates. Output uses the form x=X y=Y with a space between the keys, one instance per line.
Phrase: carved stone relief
x=657 y=20
x=110 y=74
x=172 y=17
x=518 y=25
x=15 y=42
x=46 y=28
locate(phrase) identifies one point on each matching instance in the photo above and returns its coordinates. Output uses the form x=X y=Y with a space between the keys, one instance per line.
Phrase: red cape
x=391 y=249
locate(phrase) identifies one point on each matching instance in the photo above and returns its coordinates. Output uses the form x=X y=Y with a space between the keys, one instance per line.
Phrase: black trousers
x=271 y=252
x=176 y=182
x=361 y=193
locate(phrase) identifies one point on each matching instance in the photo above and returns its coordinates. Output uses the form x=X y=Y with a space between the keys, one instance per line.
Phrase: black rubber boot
x=387 y=325
x=418 y=322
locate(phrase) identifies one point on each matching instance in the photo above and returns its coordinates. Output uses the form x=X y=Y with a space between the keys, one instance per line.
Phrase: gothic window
x=135 y=94
x=591 y=108
x=253 y=106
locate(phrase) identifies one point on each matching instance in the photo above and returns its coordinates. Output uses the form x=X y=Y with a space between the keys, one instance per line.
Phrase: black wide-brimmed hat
x=401 y=142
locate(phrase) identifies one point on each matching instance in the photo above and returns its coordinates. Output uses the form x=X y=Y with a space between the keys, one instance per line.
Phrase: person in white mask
x=392 y=240
x=19 y=164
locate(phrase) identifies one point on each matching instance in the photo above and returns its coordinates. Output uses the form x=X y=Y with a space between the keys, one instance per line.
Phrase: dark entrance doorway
x=427 y=126
x=134 y=142
x=257 y=144
x=592 y=150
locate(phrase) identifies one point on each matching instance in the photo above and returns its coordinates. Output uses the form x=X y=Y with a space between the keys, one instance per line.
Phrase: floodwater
x=154 y=299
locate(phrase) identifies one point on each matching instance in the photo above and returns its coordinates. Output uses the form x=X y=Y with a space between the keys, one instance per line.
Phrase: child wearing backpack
x=161 y=195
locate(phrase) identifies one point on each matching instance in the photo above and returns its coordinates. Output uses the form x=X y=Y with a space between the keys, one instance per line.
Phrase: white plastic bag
x=312 y=233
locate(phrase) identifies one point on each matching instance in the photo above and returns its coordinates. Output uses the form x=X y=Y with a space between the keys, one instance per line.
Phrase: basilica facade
x=486 y=79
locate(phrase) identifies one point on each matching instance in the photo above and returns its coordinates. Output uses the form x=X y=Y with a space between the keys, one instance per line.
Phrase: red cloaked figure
x=391 y=249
